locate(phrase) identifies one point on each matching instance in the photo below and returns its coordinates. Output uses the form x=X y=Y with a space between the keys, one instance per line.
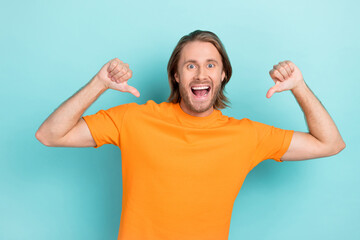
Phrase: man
x=184 y=162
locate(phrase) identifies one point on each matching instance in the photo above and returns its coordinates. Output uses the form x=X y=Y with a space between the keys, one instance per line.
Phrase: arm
x=65 y=127
x=323 y=138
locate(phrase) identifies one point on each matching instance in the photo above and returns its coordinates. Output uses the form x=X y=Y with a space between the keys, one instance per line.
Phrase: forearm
x=64 y=118
x=320 y=124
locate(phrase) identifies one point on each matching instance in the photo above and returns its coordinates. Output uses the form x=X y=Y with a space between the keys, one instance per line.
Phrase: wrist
x=299 y=87
x=98 y=84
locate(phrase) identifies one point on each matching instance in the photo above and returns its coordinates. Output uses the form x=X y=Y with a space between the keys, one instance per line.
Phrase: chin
x=199 y=107
x=199 y=98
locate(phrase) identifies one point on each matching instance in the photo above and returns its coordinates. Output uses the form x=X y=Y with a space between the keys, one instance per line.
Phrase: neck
x=195 y=114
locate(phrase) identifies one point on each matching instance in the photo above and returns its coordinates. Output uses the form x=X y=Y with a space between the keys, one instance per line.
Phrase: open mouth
x=200 y=91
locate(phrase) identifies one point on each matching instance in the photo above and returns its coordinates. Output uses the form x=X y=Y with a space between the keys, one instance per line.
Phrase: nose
x=201 y=73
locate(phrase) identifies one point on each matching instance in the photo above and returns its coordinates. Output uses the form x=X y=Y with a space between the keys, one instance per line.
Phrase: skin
x=65 y=127
x=323 y=138
x=200 y=64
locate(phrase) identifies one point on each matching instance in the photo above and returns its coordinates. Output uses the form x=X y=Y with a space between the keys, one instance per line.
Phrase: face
x=199 y=74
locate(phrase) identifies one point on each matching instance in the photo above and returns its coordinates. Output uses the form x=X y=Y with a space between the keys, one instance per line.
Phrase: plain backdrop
x=50 y=49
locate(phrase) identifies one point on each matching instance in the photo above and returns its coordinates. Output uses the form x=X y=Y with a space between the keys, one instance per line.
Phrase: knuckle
x=117 y=75
x=123 y=66
x=285 y=65
x=123 y=71
x=114 y=71
x=117 y=69
x=113 y=65
x=113 y=62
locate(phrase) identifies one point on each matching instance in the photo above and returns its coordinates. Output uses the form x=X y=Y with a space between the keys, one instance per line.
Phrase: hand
x=115 y=75
x=286 y=75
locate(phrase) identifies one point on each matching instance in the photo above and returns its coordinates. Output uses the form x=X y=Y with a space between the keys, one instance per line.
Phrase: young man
x=184 y=162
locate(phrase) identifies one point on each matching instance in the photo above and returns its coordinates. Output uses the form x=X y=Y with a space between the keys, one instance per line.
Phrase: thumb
x=273 y=89
x=132 y=90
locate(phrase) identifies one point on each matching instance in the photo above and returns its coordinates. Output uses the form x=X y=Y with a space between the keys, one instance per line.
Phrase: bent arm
x=65 y=127
x=323 y=138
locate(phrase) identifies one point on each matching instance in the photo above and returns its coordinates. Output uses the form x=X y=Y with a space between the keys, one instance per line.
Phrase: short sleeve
x=271 y=142
x=105 y=125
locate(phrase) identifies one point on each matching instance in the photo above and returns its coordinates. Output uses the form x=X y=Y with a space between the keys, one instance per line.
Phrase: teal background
x=50 y=49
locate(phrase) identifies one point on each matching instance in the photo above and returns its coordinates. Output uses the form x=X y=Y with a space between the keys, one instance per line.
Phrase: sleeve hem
x=91 y=131
x=285 y=145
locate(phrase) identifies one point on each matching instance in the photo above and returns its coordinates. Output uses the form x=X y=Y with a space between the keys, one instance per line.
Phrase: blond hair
x=204 y=36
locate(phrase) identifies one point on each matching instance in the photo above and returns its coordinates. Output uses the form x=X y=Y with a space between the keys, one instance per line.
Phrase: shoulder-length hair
x=204 y=36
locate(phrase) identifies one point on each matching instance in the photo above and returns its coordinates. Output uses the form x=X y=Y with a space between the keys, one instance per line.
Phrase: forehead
x=199 y=51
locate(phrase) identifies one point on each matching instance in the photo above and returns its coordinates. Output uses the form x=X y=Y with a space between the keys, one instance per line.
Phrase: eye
x=191 y=66
x=210 y=65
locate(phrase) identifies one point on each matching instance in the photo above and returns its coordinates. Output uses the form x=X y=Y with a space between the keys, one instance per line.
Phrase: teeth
x=200 y=88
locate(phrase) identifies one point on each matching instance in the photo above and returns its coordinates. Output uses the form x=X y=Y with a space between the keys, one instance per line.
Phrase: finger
x=132 y=90
x=121 y=75
x=115 y=71
x=286 y=67
x=282 y=71
x=119 y=69
x=273 y=90
x=291 y=64
x=113 y=64
x=272 y=75
x=269 y=93
x=275 y=75
x=126 y=76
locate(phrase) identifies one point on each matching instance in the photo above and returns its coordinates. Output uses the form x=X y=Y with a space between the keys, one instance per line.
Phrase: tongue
x=200 y=93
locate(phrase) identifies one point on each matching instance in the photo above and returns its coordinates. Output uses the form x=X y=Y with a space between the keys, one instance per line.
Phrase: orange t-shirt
x=181 y=174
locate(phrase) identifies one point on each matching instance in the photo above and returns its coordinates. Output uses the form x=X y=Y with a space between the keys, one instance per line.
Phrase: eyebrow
x=194 y=61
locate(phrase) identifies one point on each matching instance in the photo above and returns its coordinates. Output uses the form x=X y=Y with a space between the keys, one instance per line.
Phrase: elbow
x=42 y=139
x=335 y=149
x=342 y=146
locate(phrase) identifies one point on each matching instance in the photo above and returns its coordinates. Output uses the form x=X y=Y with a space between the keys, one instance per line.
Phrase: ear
x=176 y=77
x=222 y=75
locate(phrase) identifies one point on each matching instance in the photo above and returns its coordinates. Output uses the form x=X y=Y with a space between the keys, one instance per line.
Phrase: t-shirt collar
x=192 y=121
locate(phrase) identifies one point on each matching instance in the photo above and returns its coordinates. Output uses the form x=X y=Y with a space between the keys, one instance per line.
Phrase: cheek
x=216 y=75
x=185 y=77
